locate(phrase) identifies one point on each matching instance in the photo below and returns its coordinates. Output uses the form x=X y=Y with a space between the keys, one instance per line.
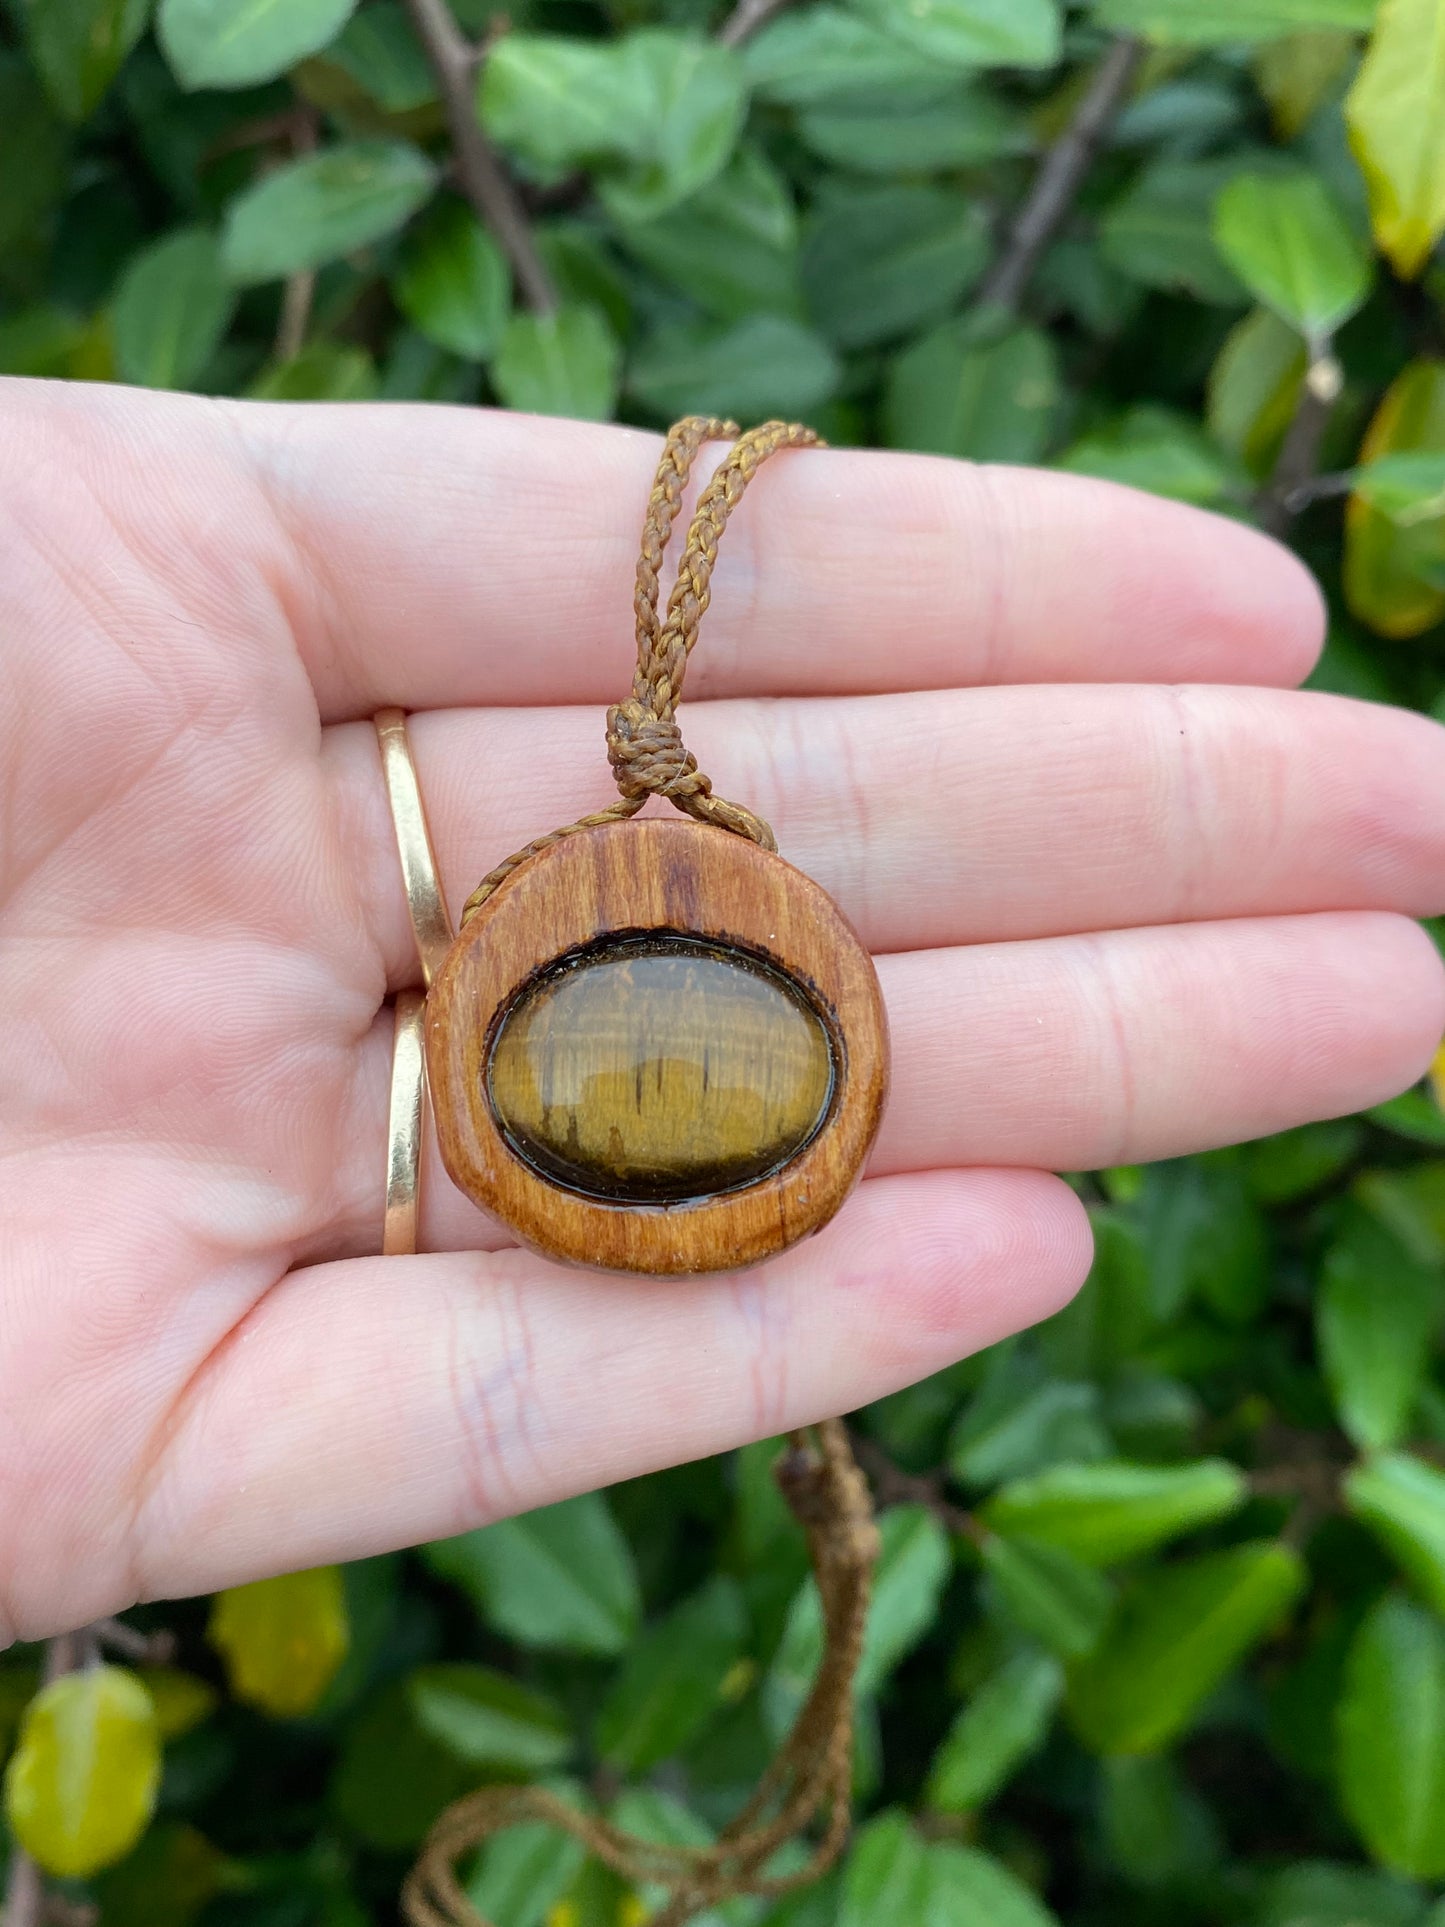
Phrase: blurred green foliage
x=1159 y=1634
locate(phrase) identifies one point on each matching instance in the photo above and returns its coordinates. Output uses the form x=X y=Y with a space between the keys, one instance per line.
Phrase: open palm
x=1130 y=895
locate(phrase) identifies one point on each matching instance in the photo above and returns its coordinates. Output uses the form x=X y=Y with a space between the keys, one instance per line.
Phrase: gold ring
x=429 y=919
x=406 y=1127
x=432 y=928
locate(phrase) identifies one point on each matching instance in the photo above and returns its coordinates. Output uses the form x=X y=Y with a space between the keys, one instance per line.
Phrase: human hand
x=1131 y=896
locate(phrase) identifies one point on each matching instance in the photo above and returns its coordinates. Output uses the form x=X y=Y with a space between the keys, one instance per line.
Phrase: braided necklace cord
x=810 y=1779
x=644 y=743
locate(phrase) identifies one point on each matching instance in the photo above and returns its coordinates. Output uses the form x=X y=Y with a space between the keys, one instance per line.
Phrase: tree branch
x=894 y=1486
x=1060 y=176
x=483 y=178
x=1292 y=485
x=746 y=17
x=24 y=1891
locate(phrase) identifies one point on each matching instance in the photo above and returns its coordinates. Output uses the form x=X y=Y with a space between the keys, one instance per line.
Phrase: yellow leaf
x=1296 y=73
x=1437 y=1078
x=181 y=1700
x=282 y=1639
x=1384 y=584
x=1396 y=115
x=81 y=1786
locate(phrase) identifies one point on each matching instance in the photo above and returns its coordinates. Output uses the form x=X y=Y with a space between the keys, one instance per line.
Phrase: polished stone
x=660 y=1068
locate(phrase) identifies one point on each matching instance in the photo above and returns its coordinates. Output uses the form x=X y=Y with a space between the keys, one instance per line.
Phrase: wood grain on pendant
x=657 y=1047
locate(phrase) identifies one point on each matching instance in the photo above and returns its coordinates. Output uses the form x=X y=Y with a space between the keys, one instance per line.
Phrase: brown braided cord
x=644 y=743
x=810 y=1776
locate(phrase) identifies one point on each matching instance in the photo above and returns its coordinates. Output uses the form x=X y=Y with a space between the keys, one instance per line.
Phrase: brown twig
x=1290 y=487
x=746 y=17
x=300 y=288
x=141 y=1649
x=1060 y=176
x=894 y=1486
x=483 y=179
x=24 y=1891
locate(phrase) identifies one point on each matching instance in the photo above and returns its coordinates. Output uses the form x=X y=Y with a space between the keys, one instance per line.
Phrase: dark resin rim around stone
x=624 y=1120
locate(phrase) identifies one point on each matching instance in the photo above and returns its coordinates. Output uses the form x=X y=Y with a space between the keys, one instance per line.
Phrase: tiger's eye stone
x=660 y=1068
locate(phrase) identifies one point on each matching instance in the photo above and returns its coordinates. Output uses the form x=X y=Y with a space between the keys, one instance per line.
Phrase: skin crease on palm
x=1131 y=895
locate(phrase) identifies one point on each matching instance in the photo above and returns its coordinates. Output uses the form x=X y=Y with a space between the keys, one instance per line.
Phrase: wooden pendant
x=657 y=1047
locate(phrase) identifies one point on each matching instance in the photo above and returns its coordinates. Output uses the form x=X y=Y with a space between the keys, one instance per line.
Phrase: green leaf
x=1105 y=1513
x=1285 y=238
x=78 y=46
x=813 y=54
x=566 y=363
x=877 y=261
x=1179 y=1632
x=1155 y=449
x=181 y=1701
x=1391 y=1722
x=1005 y=1721
x=1396 y=117
x=489 y=1720
x=378 y=50
x=1411 y=1202
x=732 y=248
x=1155 y=1828
x=1299 y=73
x=1206 y=1236
x=523 y=1873
x=1284 y=1168
x=1409 y=489
x=1254 y=388
x=926 y=127
x=887 y=1881
x=171 y=1876
x=658 y=111
x=392 y=1777
x=324 y=371
x=454 y=283
x=1402 y=1500
x=1048 y=1593
x=955 y=393
x=764 y=366
x=1317 y=1894
x=236 y=43
x=172 y=309
x=671 y=1682
x=1387 y=567
x=316 y=209
x=560 y=1578
x=973 y=33
x=966 y=1888
x=282 y=1639
x=911 y=1573
x=33 y=160
x=1189 y=23
x=559 y=102
x=1375 y=1316
x=694 y=100
x=81 y=1784
x=1158 y=231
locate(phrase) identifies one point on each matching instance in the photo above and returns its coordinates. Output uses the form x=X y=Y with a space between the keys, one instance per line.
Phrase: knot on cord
x=648 y=755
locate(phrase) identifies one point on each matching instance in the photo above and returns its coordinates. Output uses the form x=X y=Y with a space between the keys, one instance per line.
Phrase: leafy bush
x=1160 y=1630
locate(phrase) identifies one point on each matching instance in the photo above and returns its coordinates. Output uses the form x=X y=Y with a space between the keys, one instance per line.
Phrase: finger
x=1077 y=1053
x=456 y=556
x=963 y=816
x=442 y=556
x=461 y=1389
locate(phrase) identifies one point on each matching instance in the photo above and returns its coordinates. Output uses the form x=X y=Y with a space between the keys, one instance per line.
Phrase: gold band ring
x=424 y=899
x=432 y=928
x=406 y=1127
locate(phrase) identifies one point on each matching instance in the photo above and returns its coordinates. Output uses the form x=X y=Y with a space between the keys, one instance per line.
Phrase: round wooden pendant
x=657 y=1047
